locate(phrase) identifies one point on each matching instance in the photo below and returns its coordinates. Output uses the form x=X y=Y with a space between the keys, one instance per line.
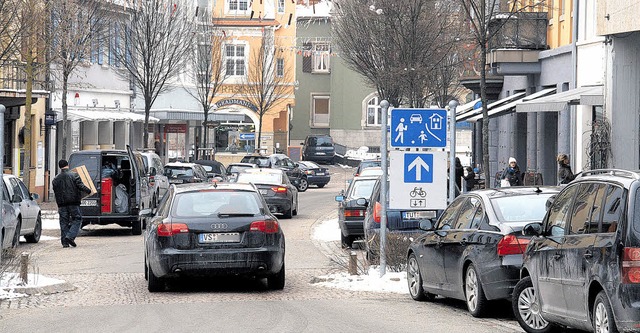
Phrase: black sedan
x=276 y=189
x=474 y=251
x=213 y=229
x=316 y=175
x=182 y=173
x=350 y=212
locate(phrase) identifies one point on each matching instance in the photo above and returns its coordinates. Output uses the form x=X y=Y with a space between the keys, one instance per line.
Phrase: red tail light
x=152 y=180
x=510 y=244
x=631 y=265
x=268 y=226
x=278 y=189
x=170 y=229
x=377 y=212
x=354 y=212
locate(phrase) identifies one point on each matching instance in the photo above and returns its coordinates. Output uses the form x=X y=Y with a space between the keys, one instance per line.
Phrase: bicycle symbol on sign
x=418 y=191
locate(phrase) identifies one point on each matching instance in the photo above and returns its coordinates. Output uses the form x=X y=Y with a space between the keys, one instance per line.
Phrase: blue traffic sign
x=247 y=136
x=418 y=168
x=418 y=128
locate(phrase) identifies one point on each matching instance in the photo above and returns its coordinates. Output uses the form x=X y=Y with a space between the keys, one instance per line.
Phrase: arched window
x=373 y=113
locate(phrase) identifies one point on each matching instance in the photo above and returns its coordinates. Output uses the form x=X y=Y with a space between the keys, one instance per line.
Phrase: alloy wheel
x=471 y=288
x=413 y=276
x=601 y=319
x=529 y=309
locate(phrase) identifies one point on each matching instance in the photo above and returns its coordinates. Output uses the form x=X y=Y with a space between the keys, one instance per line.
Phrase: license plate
x=417 y=215
x=320 y=153
x=89 y=203
x=319 y=173
x=263 y=192
x=220 y=237
x=176 y=181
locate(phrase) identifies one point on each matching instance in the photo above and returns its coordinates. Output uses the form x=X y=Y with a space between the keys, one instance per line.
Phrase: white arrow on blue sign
x=418 y=168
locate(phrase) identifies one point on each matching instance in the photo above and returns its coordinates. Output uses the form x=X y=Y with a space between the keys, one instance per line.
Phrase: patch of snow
x=395 y=282
x=10 y=281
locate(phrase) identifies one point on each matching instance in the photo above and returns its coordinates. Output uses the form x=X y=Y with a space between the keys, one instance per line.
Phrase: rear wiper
x=222 y=214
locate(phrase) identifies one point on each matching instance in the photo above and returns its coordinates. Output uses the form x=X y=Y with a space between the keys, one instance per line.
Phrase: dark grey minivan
x=122 y=184
x=318 y=148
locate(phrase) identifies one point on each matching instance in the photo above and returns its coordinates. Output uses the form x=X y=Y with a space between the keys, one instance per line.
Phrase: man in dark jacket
x=69 y=191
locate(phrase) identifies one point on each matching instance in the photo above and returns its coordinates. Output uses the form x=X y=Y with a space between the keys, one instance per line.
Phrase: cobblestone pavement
x=97 y=283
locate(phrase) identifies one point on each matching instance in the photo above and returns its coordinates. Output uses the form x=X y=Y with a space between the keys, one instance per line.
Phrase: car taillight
x=354 y=212
x=152 y=180
x=268 y=226
x=170 y=229
x=278 y=189
x=309 y=172
x=510 y=244
x=377 y=211
x=631 y=265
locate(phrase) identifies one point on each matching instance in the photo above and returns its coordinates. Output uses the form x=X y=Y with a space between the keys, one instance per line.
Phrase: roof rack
x=611 y=172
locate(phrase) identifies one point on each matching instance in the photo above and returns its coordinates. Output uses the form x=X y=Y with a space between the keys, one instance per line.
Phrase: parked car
x=366 y=164
x=275 y=187
x=9 y=238
x=316 y=175
x=474 y=250
x=212 y=229
x=350 y=212
x=233 y=169
x=400 y=222
x=582 y=266
x=318 y=148
x=283 y=162
x=182 y=173
x=214 y=169
x=122 y=185
x=157 y=179
x=29 y=217
x=371 y=171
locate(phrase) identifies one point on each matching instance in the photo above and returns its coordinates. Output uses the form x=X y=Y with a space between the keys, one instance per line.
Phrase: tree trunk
x=65 y=121
x=485 y=116
x=29 y=71
x=205 y=135
x=259 y=130
x=145 y=130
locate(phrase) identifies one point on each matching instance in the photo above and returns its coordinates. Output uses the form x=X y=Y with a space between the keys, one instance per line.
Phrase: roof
x=179 y=164
x=214 y=186
x=264 y=170
x=251 y=165
x=208 y=162
x=515 y=190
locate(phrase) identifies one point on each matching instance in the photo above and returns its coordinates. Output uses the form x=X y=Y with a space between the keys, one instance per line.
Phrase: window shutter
x=306 y=58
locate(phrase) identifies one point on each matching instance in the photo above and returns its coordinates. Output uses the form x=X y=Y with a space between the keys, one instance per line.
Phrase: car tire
x=414 y=281
x=477 y=302
x=295 y=211
x=154 y=283
x=526 y=308
x=303 y=185
x=136 y=226
x=321 y=185
x=603 y=320
x=16 y=236
x=289 y=212
x=37 y=231
x=276 y=281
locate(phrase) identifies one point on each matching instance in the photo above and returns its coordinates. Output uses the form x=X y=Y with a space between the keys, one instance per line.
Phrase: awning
x=465 y=116
x=196 y=115
x=104 y=115
x=586 y=95
x=466 y=107
x=509 y=107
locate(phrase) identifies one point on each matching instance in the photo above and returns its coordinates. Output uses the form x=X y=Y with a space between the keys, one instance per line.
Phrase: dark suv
x=283 y=162
x=318 y=148
x=582 y=267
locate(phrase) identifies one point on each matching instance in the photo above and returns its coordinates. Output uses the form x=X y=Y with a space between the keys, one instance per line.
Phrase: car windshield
x=324 y=141
x=520 y=208
x=238 y=168
x=262 y=161
x=309 y=165
x=207 y=203
x=178 y=171
x=260 y=178
x=362 y=188
x=369 y=164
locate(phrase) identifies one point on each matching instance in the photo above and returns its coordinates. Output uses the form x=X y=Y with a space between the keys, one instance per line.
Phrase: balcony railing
x=519 y=31
x=13 y=77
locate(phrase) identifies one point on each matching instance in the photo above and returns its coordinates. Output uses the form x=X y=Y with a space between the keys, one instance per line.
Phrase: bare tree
x=268 y=81
x=481 y=16
x=9 y=29
x=395 y=44
x=158 y=39
x=207 y=72
x=34 y=42
x=78 y=25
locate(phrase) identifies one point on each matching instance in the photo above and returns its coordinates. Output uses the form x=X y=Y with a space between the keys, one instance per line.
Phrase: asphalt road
x=109 y=290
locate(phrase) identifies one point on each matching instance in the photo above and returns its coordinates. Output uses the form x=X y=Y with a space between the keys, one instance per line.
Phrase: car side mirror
x=339 y=198
x=35 y=196
x=152 y=171
x=16 y=198
x=362 y=202
x=532 y=229
x=426 y=225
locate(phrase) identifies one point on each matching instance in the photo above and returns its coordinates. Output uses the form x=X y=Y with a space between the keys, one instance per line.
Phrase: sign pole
x=452 y=150
x=384 y=104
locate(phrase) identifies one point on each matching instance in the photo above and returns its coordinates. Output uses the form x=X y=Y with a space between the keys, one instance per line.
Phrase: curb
x=44 y=290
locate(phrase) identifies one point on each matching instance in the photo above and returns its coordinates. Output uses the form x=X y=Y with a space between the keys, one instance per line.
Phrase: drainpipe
x=574 y=76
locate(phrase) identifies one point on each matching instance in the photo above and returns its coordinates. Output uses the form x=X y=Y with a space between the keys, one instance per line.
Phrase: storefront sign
x=175 y=128
x=236 y=101
x=50 y=118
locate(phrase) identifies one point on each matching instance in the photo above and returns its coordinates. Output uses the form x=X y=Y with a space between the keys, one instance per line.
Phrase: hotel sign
x=236 y=101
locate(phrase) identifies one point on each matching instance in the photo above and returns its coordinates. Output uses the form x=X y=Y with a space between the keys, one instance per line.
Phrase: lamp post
x=384 y=104
x=452 y=149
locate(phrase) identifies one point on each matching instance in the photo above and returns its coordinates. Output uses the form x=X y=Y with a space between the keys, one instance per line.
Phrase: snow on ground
x=325 y=231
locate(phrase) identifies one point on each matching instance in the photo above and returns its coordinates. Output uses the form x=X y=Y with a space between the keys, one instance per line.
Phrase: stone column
x=89 y=135
x=105 y=135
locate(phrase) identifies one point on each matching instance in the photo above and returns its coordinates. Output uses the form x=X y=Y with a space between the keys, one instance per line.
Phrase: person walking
x=512 y=173
x=69 y=191
x=565 y=175
x=469 y=179
x=459 y=173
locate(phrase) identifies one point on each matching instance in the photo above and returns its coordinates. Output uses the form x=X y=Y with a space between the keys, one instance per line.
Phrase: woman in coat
x=565 y=175
x=512 y=173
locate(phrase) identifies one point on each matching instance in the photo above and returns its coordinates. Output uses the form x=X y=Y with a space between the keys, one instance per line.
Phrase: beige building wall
x=617 y=16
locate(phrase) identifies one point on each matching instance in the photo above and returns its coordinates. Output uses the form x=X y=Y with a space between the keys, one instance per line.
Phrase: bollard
x=24 y=268
x=353 y=263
